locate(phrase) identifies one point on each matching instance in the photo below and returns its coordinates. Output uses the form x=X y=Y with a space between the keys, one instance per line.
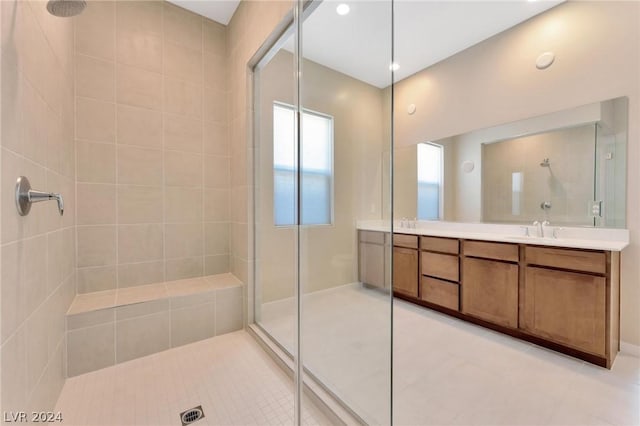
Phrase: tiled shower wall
x=38 y=250
x=251 y=25
x=153 y=177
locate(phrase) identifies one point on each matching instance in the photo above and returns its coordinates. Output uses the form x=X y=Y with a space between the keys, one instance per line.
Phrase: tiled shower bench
x=109 y=327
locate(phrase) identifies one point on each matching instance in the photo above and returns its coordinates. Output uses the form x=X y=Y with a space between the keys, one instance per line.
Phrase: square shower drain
x=191 y=415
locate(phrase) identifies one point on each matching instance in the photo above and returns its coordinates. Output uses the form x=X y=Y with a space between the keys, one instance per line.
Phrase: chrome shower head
x=545 y=163
x=66 y=8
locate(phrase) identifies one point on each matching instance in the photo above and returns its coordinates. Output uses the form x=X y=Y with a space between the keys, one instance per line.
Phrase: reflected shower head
x=545 y=163
x=66 y=8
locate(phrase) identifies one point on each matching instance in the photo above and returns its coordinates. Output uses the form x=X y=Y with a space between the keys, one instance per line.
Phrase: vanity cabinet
x=372 y=258
x=490 y=282
x=405 y=264
x=562 y=298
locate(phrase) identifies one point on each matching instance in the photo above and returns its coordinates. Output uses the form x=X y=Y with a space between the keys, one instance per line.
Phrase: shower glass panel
x=344 y=273
x=275 y=186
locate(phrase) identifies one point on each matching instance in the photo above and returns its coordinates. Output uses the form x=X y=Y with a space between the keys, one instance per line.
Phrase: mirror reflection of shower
x=545 y=205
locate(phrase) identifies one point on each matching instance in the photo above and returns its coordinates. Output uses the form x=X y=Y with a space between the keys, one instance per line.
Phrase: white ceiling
x=426 y=31
x=217 y=10
x=358 y=44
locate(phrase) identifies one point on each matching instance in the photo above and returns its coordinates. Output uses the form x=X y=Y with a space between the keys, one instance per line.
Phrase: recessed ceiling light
x=394 y=67
x=343 y=9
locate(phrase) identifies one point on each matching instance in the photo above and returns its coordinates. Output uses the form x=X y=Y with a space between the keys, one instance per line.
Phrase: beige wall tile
x=142 y=336
x=14 y=372
x=216 y=237
x=192 y=324
x=138 y=87
x=182 y=168
x=96 y=279
x=217 y=171
x=143 y=16
x=216 y=264
x=182 y=205
x=95 y=78
x=96 y=204
x=140 y=243
x=95 y=28
x=37 y=349
x=139 y=49
x=229 y=310
x=181 y=97
x=178 y=269
x=96 y=162
x=215 y=39
x=95 y=120
x=91 y=348
x=182 y=63
x=182 y=27
x=182 y=133
x=96 y=246
x=183 y=240
x=90 y=319
x=142 y=309
x=33 y=134
x=139 y=204
x=216 y=205
x=139 y=166
x=215 y=71
x=215 y=105
x=139 y=126
x=55 y=260
x=215 y=139
x=135 y=274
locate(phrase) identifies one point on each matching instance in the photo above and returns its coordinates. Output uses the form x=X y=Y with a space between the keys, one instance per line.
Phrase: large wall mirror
x=567 y=167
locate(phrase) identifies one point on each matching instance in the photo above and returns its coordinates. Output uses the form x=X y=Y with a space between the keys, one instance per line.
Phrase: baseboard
x=630 y=349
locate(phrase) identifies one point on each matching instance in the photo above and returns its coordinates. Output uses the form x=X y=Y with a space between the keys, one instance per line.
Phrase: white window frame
x=331 y=170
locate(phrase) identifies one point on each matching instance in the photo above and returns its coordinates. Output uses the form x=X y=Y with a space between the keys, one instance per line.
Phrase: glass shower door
x=344 y=221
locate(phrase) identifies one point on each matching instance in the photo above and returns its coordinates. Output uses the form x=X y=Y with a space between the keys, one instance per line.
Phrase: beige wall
x=328 y=254
x=153 y=155
x=38 y=250
x=497 y=82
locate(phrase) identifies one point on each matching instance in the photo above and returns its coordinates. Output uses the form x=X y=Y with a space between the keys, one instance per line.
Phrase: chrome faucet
x=543 y=225
x=25 y=196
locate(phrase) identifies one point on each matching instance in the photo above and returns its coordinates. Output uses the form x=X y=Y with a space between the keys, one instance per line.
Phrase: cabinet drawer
x=373 y=237
x=442 y=293
x=576 y=260
x=402 y=240
x=437 y=265
x=442 y=245
x=488 y=250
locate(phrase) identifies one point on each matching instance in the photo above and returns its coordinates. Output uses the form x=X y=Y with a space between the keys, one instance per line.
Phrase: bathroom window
x=430 y=167
x=317 y=167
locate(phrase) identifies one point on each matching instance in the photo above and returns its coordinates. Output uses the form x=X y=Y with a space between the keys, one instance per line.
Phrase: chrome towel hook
x=25 y=196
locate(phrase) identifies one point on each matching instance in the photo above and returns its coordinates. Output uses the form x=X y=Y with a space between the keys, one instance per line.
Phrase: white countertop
x=606 y=239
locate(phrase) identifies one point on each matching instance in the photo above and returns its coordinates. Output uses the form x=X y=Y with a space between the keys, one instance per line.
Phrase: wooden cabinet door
x=490 y=291
x=405 y=271
x=372 y=264
x=566 y=307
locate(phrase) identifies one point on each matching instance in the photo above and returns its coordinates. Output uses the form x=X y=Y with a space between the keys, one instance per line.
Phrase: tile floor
x=447 y=371
x=233 y=379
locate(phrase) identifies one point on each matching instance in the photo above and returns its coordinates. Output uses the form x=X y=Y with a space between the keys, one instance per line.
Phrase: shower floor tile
x=230 y=375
